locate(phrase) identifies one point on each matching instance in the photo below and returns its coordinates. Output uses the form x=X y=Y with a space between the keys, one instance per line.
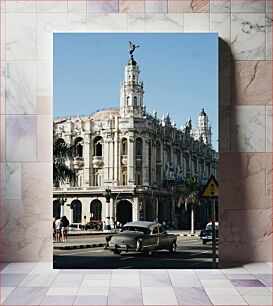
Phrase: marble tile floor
x=39 y=284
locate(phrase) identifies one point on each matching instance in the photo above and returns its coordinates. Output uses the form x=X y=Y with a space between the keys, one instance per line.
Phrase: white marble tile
x=77 y=22
x=3 y=36
x=258 y=268
x=77 y=6
x=227 y=291
x=157 y=6
x=62 y=291
x=220 y=6
x=65 y=280
x=52 y=6
x=160 y=22
x=21 y=138
x=12 y=181
x=3 y=87
x=3 y=6
x=220 y=23
x=21 y=36
x=227 y=300
x=3 y=138
x=5 y=292
x=108 y=22
x=268 y=128
x=87 y=291
x=248 y=129
x=136 y=22
x=253 y=291
x=216 y=283
x=18 y=267
x=44 y=138
x=258 y=299
x=125 y=280
x=44 y=105
x=268 y=23
x=103 y=6
x=44 y=78
x=44 y=268
x=269 y=6
x=248 y=6
x=248 y=36
x=21 y=6
x=95 y=283
x=46 y=25
x=38 y=280
x=159 y=296
x=20 y=88
x=240 y=270
x=198 y=22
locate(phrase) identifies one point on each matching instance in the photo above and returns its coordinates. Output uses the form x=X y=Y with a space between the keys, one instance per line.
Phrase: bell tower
x=131 y=89
x=204 y=130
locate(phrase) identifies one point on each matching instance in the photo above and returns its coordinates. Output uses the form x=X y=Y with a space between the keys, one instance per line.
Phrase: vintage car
x=206 y=234
x=141 y=236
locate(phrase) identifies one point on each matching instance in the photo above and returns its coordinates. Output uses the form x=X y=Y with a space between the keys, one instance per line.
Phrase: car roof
x=142 y=223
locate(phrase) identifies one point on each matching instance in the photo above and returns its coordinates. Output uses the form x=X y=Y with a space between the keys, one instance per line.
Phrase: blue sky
x=179 y=71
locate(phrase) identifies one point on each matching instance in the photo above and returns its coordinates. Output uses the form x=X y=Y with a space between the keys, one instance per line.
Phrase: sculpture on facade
x=132 y=48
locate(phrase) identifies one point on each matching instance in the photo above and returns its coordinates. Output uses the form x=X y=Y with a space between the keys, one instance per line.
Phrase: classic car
x=141 y=236
x=206 y=234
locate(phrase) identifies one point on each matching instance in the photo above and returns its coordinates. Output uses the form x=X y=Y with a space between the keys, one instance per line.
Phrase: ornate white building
x=138 y=156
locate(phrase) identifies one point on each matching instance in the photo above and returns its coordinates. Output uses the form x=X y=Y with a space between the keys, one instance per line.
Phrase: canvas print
x=135 y=150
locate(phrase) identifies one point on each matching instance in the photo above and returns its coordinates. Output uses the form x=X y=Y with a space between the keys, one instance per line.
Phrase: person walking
x=64 y=223
x=58 y=229
x=54 y=229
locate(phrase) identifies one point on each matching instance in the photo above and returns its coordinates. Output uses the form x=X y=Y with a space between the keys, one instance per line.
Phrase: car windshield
x=143 y=230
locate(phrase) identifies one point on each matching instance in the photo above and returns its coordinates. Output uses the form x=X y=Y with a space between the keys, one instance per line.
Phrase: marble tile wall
x=245 y=111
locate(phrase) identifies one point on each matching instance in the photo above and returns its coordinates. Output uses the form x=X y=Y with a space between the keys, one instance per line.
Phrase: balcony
x=78 y=162
x=124 y=160
x=97 y=161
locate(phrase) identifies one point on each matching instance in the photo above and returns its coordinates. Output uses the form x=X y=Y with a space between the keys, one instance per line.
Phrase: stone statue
x=132 y=47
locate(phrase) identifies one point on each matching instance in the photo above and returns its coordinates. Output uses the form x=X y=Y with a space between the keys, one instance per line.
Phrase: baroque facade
x=137 y=155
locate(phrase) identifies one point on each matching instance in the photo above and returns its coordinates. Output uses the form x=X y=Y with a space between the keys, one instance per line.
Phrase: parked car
x=141 y=236
x=206 y=234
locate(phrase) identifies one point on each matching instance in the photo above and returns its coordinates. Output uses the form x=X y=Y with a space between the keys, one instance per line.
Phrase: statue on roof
x=132 y=48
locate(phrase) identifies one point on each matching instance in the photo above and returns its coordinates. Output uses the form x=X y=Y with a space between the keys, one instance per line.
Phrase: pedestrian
x=58 y=229
x=64 y=228
x=54 y=229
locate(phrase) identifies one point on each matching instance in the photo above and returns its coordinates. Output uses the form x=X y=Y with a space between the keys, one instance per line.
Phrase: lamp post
x=62 y=200
x=107 y=195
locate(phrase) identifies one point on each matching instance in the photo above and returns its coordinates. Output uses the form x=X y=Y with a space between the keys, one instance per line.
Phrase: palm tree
x=61 y=172
x=189 y=193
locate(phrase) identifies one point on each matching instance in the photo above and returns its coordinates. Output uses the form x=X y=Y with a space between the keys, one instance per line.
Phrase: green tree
x=62 y=152
x=188 y=193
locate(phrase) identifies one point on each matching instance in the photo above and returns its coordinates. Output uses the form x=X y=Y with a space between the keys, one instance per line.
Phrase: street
x=190 y=254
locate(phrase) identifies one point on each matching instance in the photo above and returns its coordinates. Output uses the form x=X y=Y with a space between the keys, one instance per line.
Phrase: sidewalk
x=80 y=243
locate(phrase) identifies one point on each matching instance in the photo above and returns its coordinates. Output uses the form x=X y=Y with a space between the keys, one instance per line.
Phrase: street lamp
x=62 y=199
x=107 y=195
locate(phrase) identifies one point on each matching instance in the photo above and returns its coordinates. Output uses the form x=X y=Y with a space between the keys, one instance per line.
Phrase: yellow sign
x=211 y=188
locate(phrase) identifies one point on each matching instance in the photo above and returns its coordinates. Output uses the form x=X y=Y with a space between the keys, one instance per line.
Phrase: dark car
x=141 y=236
x=206 y=234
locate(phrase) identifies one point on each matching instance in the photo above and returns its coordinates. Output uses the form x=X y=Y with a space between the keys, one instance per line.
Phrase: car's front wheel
x=150 y=253
x=172 y=248
x=204 y=241
x=117 y=252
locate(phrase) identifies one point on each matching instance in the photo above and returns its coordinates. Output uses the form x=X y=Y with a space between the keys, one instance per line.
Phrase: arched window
x=77 y=211
x=95 y=209
x=98 y=179
x=78 y=147
x=98 y=146
x=124 y=147
x=139 y=147
x=135 y=101
x=158 y=152
x=127 y=100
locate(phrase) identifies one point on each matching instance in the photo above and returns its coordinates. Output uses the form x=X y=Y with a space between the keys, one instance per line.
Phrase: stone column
x=71 y=215
x=86 y=158
x=107 y=160
x=131 y=160
x=116 y=154
x=62 y=210
x=145 y=162
x=136 y=209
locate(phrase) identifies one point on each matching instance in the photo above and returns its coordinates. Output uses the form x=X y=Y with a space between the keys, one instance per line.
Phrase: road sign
x=211 y=188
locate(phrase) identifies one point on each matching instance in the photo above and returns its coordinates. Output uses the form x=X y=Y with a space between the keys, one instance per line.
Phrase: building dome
x=203 y=113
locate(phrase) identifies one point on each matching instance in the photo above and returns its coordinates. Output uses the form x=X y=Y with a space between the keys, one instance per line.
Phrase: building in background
x=138 y=156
